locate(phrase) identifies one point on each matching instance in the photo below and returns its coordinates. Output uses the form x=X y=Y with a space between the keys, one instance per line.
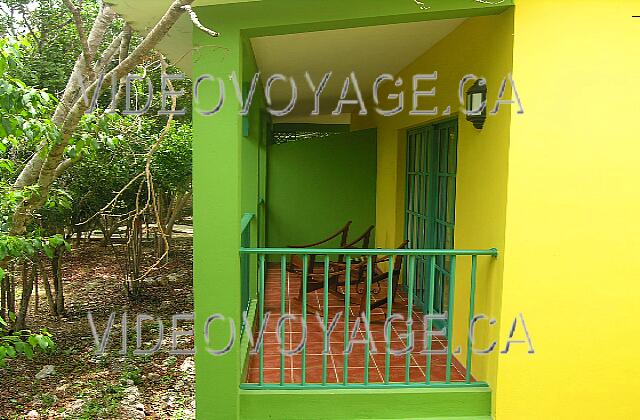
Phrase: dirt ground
x=84 y=385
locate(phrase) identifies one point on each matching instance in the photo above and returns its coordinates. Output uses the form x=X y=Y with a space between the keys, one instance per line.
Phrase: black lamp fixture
x=477 y=103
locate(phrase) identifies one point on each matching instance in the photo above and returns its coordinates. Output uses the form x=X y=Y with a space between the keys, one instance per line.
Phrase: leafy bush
x=14 y=344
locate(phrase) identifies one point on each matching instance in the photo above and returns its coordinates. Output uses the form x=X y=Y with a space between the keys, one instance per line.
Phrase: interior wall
x=482 y=46
x=572 y=218
x=315 y=186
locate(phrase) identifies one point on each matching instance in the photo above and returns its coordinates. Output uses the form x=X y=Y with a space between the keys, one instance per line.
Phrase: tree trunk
x=35 y=279
x=3 y=296
x=47 y=289
x=56 y=269
x=27 y=290
x=170 y=216
x=134 y=258
x=78 y=237
x=11 y=295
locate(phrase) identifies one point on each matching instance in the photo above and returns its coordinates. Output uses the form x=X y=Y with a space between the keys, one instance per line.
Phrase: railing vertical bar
x=283 y=309
x=326 y=320
x=412 y=281
x=305 y=274
x=347 y=298
x=390 y=291
x=261 y=297
x=472 y=302
x=432 y=281
x=452 y=285
x=368 y=318
x=244 y=267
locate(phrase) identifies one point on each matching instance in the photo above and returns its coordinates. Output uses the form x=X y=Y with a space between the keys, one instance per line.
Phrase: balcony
x=340 y=342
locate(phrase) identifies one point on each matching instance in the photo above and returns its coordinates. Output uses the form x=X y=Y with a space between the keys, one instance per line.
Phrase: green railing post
x=368 y=319
x=387 y=355
x=245 y=275
x=283 y=309
x=261 y=311
x=472 y=301
x=412 y=280
x=305 y=274
x=347 y=299
x=325 y=338
x=452 y=285
x=432 y=288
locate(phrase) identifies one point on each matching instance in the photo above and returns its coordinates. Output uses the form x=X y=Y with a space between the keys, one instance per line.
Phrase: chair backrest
x=343 y=234
x=363 y=240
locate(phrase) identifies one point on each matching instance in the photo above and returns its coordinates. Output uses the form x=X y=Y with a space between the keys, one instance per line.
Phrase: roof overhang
x=142 y=15
x=270 y=17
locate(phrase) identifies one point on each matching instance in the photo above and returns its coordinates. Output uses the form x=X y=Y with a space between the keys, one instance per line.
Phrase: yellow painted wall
x=573 y=235
x=482 y=46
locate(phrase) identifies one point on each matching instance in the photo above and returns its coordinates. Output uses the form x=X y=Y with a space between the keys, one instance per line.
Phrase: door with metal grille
x=430 y=205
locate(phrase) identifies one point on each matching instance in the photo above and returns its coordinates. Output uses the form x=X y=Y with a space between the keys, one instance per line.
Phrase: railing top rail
x=337 y=251
x=246 y=220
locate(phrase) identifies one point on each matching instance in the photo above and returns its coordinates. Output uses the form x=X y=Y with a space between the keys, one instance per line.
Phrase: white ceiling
x=367 y=51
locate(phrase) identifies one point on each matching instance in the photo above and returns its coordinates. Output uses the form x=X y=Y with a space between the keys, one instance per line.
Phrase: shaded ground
x=87 y=386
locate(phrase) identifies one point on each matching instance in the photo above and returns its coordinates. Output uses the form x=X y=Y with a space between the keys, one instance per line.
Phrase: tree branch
x=122 y=69
x=84 y=42
x=66 y=164
x=68 y=121
x=124 y=53
x=108 y=54
x=30 y=173
x=197 y=23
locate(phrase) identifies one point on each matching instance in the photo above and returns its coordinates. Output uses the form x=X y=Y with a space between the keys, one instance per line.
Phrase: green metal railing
x=245 y=264
x=364 y=258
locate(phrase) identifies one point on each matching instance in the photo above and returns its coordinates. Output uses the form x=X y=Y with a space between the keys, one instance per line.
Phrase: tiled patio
x=335 y=356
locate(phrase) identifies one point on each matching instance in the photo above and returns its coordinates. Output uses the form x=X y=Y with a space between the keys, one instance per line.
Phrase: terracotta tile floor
x=335 y=357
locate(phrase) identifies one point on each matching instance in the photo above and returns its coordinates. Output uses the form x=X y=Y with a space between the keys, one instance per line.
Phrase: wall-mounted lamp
x=477 y=103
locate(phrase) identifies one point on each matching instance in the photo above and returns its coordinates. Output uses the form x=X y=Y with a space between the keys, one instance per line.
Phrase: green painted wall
x=217 y=209
x=350 y=404
x=316 y=186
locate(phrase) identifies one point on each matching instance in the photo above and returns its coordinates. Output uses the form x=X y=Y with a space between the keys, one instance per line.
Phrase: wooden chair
x=295 y=265
x=358 y=269
x=315 y=280
x=381 y=275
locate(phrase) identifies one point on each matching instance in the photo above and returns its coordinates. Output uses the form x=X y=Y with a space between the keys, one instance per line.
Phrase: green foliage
x=14 y=344
x=21 y=247
x=131 y=373
x=107 y=150
x=104 y=399
x=25 y=126
x=52 y=35
x=21 y=107
x=172 y=162
x=119 y=154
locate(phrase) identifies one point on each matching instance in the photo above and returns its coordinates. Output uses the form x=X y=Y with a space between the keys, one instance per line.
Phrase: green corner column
x=217 y=209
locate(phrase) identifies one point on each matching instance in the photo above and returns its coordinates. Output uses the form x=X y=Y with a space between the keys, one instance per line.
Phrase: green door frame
x=430 y=203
